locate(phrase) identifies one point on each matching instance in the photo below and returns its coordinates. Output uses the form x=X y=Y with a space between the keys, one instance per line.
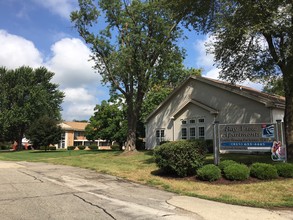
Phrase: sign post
x=216 y=143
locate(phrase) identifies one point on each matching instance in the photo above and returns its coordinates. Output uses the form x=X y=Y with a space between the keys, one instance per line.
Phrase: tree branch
x=272 y=49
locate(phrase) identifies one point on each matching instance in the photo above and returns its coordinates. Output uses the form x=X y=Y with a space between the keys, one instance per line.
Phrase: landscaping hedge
x=93 y=147
x=223 y=164
x=44 y=148
x=81 y=147
x=263 y=171
x=236 y=171
x=182 y=158
x=115 y=146
x=47 y=148
x=70 y=147
x=285 y=170
x=209 y=172
x=3 y=147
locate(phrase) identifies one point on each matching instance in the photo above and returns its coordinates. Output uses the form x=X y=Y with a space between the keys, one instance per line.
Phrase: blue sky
x=39 y=33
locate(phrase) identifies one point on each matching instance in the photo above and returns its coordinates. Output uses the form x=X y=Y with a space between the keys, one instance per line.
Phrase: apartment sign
x=247 y=137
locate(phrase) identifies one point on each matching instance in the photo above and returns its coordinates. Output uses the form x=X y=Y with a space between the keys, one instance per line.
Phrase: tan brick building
x=73 y=135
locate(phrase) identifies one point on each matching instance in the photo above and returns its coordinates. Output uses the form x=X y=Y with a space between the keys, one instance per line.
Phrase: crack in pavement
x=104 y=210
x=35 y=178
x=76 y=183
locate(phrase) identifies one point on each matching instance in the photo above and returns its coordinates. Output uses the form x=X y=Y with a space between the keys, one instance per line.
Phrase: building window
x=201 y=133
x=184 y=133
x=78 y=135
x=104 y=143
x=157 y=133
x=62 y=141
x=201 y=120
x=77 y=143
x=192 y=121
x=160 y=135
x=193 y=128
x=192 y=133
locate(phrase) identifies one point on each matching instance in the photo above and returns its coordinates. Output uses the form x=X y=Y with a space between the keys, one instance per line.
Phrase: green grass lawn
x=140 y=167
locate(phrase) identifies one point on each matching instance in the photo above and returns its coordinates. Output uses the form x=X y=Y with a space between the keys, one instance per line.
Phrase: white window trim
x=160 y=138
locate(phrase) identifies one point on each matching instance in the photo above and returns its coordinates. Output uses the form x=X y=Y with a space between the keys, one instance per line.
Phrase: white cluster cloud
x=62 y=8
x=69 y=62
x=205 y=60
x=16 y=51
x=79 y=100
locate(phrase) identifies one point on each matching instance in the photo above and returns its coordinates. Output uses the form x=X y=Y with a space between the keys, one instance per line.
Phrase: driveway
x=45 y=191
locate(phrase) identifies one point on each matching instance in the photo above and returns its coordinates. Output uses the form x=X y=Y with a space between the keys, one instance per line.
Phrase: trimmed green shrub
x=81 y=147
x=182 y=158
x=164 y=142
x=236 y=171
x=263 y=171
x=115 y=146
x=209 y=172
x=223 y=164
x=285 y=170
x=210 y=145
x=44 y=148
x=93 y=147
x=70 y=147
x=3 y=147
x=52 y=148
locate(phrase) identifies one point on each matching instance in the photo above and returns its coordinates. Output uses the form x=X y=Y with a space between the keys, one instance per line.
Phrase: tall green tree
x=26 y=95
x=107 y=123
x=135 y=50
x=252 y=40
x=44 y=131
x=275 y=86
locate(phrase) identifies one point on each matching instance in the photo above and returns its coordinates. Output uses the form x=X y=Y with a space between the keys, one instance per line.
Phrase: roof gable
x=264 y=98
x=74 y=126
x=201 y=105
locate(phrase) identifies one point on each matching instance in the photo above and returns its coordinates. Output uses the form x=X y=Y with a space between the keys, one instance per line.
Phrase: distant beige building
x=191 y=109
x=73 y=135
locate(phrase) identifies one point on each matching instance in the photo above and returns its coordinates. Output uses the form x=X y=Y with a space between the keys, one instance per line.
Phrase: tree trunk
x=288 y=119
x=132 y=122
x=131 y=134
x=19 y=142
x=130 y=143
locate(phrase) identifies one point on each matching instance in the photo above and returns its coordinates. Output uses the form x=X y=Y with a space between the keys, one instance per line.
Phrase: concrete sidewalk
x=210 y=210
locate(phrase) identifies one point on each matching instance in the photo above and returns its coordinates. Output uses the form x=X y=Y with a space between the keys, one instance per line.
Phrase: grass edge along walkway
x=140 y=168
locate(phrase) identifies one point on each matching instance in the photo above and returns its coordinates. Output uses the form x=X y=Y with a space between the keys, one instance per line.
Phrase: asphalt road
x=44 y=191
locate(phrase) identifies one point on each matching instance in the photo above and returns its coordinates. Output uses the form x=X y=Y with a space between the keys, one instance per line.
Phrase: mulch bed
x=221 y=181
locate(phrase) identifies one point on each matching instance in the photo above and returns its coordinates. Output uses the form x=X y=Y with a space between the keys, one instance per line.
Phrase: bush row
x=232 y=170
x=48 y=148
x=4 y=147
x=82 y=147
x=186 y=157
